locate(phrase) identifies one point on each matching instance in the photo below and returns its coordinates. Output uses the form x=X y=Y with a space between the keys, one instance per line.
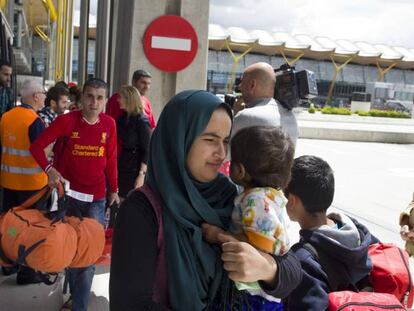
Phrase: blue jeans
x=80 y=279
x=259 y=303
x=255 y=303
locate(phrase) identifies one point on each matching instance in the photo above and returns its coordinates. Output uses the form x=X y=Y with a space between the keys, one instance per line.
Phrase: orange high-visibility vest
x=19 y=170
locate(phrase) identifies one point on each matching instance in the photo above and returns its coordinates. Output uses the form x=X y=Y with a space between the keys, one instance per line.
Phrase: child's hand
x=211 y=232
x=406 y=234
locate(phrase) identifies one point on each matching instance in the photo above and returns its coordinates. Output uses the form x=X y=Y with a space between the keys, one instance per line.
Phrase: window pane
x=353 y=73
x=394 y=76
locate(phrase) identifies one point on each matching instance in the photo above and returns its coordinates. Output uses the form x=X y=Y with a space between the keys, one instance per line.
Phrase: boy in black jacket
x=340 y=242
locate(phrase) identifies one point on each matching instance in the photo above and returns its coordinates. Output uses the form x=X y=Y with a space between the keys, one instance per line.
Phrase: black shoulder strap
x=320 y=257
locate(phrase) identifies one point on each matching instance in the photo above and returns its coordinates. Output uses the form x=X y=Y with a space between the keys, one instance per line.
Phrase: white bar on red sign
x=167 y=43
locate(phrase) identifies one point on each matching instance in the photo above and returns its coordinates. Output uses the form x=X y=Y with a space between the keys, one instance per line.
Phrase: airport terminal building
x=385 y=72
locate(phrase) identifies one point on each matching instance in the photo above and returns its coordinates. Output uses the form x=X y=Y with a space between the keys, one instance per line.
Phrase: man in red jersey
x=84 y=155
x=141 y=80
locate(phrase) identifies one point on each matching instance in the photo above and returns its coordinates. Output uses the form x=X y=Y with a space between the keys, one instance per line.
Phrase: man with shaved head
x=257 y=88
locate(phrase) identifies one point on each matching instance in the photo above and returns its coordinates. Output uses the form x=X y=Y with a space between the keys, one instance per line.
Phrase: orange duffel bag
x=29 y=238
x=91 y=241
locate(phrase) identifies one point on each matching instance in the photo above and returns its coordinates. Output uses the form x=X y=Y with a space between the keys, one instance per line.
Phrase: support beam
x=236 y=60
x=333 y=82
x=83 y=42
x=59 y=43
x=293 y=61
x=382 y=71
x=102 y=40
x=69 y=41
x=50 y=8
x=19 y=25
x=123 y=37
x=113 y=24
x=3 y=4
x=10 y=12
x=41 y=34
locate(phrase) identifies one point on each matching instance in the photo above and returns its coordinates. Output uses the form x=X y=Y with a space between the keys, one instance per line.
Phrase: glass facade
x=370 y=73
x=394 y=76
x=353 y=73
x=409 y=77
x=255 y=58
x=39 y=59
x=91 y=58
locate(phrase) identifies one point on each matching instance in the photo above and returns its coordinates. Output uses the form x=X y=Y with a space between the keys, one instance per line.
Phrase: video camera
x=292 y=86
x=231 y=98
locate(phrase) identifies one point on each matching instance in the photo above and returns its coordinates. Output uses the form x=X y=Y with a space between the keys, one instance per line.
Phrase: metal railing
x=23 y=34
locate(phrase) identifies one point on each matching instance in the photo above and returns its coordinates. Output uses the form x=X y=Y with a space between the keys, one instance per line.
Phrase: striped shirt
x=47 y=115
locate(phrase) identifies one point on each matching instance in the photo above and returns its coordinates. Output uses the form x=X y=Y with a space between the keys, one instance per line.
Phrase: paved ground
x=374 y=182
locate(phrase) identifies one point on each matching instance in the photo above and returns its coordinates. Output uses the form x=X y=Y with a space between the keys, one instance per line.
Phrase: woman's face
x=121 y=100
x=209 y=150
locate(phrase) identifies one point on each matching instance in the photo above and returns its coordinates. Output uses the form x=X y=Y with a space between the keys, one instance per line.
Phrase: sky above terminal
x=387 y=22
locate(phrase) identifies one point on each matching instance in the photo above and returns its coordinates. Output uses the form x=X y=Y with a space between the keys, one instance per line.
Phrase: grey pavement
x=39 y=297
x=374 y=182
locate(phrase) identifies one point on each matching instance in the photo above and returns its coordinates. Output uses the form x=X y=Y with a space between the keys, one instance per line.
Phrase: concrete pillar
x=113 y=26
x=19 y=28
x=69 y=41
x=10 y=13
x=164 y=85
x=121 y=49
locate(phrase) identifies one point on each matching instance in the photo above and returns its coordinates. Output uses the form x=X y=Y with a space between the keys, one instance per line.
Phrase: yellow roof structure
x=321 y=48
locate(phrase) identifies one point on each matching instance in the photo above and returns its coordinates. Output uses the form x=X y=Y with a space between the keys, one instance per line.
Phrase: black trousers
x=13 y=198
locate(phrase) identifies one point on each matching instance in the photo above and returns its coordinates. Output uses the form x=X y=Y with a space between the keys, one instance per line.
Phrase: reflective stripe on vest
x=14 y=151
x=20 y=170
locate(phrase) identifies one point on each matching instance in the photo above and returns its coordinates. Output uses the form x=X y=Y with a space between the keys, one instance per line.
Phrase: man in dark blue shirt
x=6 y=97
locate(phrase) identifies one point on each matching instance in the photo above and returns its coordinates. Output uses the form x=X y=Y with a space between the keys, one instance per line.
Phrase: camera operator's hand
x=239 y=105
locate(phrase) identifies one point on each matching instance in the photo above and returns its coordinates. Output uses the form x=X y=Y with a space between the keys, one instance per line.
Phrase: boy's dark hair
x=5 y=63
x=138 y=74
x=266 y=154
x=312 y=180
x=95 y=83
x=55 y=93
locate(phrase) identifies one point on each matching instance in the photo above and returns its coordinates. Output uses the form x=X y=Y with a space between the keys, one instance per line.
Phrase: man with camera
x=257 y=87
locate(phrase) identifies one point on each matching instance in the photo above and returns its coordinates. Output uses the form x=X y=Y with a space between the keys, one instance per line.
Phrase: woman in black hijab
x=160 y=260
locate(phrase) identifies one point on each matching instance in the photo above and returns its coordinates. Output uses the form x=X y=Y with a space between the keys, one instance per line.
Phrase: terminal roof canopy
x=274 y=43
x=313 y=44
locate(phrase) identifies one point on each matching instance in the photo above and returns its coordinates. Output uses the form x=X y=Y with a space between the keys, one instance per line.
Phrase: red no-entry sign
x=170 y=43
